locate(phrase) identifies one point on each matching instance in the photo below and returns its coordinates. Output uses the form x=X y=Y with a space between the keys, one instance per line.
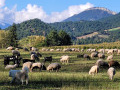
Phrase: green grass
x=72 y=76
x=114 y=29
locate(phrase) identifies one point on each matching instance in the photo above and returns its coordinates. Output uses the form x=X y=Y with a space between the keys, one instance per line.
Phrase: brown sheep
x=114 y=64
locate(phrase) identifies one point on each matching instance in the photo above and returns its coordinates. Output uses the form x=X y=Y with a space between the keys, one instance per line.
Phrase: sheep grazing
x=101 y=63
x=15 y=53
x=94 y=54
x=111 y=51
x=118 y=52
x=28 y=60
x=101 y=55
x=111 y=72
x=86 y=56
x=54 y=66
x=7 y=59
x=33 y=49
x=114 y=64
x=29 y=65
x=14 y=59
x=58 y=49
x=48 y=59
x=80 y=56
x=94 y=69
x=19 y=75
x=64 y=59
x=110 y=57
x=101 y=50
x=38 y=65
x=10 y=48
x=11 y=66
x=34 y=57
x=36 y=53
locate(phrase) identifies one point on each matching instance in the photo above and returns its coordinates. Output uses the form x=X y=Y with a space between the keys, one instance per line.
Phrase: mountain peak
x=102 y=8
x=92 y=14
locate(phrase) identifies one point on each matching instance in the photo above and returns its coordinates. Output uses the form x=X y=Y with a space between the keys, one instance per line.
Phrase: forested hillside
x=74 y=29
x=32 y=27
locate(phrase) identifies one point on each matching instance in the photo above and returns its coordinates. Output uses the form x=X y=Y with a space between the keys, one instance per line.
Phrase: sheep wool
x=111 y=72
x=11 y=66
x=94 y=69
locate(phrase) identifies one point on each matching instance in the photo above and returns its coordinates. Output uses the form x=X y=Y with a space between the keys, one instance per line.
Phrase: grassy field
x=72 y=76
x=114 y=29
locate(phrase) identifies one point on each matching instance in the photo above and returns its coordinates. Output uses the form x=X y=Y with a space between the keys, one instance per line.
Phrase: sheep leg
x=67 y=61
x=96 y=71
x=52 y=69
x=57 y=70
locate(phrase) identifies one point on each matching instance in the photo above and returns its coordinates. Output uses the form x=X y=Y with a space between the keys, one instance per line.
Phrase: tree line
x=53 y=38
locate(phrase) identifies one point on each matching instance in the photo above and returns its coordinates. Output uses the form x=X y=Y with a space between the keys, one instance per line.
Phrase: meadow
x=72 y=76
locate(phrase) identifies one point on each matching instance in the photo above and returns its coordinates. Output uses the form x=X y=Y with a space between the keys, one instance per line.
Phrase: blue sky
x=49 y=10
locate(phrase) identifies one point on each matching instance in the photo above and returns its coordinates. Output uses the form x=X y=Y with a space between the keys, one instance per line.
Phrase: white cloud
x=72 y=10
x=7 y=15
x=30 y=12
x=2 y=3
x=34 y=11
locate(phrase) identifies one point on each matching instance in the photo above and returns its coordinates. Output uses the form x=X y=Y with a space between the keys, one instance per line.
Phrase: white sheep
x=110 y=57
x=39 y=65
x=118 y=52
x=11 y=66
x=111 y=72
x=29 y=65
x=58 y=49
x=51 y=50
x=94 y=69
x=34 y=49
x=20 y=75
x=10 y=48
x=101 y=50
x=64 y=59
x=111 y=51
x=54 y=66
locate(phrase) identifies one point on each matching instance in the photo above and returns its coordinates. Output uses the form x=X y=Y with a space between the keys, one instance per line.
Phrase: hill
x=32 y=27
x=114 y=20
x=74 y=29
x=91 y=14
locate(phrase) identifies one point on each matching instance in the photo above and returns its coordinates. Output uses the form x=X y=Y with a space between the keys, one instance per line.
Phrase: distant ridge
x=4 y=25
x=102 y=8
x=91 y=14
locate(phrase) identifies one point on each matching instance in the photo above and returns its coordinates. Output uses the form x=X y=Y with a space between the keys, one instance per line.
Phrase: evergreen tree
x=13 y=41
x=52 y=39
x=64 y=38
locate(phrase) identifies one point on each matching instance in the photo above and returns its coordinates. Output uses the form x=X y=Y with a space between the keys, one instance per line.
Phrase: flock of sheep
x=30 y=64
